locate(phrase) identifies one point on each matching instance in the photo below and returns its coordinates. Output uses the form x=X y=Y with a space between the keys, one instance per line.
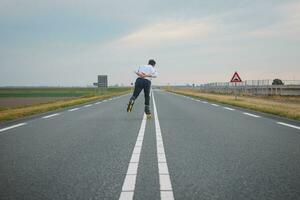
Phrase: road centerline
x=128 y=187
x=166 y=190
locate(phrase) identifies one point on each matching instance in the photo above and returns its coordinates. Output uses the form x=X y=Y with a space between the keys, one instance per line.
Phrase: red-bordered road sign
x=236 y=78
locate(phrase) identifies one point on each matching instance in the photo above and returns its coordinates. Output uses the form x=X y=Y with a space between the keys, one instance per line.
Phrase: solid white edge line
x=166 y=190
x=49 y=116
x=252 y=115
x=128 y=187
x=289 y=125
x=11 y=127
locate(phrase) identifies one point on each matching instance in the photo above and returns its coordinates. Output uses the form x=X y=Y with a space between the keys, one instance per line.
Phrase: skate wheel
x=149 y=117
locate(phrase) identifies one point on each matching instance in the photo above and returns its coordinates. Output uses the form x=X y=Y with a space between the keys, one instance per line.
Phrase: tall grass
x=288 y=107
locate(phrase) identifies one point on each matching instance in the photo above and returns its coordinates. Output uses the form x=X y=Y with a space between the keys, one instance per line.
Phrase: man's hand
x=142 y=75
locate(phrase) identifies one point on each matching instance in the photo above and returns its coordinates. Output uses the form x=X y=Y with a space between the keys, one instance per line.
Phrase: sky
x=69 y=43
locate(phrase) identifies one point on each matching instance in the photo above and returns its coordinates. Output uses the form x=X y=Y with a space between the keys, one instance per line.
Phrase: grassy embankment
x=288 y=107
x=80 y=96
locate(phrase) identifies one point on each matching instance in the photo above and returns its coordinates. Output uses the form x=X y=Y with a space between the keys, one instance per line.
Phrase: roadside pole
x=235 y=79
x=235 y=89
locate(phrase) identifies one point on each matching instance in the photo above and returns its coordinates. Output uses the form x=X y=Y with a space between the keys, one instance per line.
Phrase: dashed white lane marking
x=289 y=125
x=231 y=109
x=252 y=115
x=11 y=127
x=97 y=103
x=49 y=116
x=130 y=178
x=89 y=105
x=214 y=105
x=227 y=108
x=74 y=109
x=166 y=191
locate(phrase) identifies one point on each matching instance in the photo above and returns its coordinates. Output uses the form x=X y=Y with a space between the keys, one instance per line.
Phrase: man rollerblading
x=143 y=82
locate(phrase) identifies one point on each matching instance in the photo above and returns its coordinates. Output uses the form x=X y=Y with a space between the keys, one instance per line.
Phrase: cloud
x=288 y=25
x=168 y=31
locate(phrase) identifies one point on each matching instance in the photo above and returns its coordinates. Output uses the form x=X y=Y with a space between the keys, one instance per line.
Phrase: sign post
x=235 y=79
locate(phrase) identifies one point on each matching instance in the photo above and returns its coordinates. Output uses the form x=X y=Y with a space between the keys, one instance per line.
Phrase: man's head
x=151 y=62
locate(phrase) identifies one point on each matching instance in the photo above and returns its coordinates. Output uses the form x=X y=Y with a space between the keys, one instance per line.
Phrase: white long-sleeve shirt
x=149 y=70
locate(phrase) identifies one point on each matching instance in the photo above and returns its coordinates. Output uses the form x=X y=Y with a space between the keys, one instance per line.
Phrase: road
x=192 y=149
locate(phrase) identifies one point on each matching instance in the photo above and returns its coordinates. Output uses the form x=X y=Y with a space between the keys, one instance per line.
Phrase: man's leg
x=137 y=90
x=147 y=87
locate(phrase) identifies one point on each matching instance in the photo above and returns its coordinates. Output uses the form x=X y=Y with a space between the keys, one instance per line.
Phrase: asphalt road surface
x=191 y=149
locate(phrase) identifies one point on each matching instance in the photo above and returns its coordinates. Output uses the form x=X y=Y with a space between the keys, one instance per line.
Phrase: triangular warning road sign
x=236 y=78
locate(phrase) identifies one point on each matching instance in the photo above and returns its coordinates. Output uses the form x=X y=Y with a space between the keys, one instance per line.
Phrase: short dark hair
x=151 y=62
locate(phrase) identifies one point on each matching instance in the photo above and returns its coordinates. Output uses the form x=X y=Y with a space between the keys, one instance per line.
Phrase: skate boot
x=147 y=111
x=130 y=105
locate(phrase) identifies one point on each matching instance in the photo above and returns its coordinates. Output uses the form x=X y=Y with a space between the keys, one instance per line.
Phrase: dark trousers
x=142 y=84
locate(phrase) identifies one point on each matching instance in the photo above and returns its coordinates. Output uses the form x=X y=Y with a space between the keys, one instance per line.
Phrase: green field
x=78 y=96
x=55 y=92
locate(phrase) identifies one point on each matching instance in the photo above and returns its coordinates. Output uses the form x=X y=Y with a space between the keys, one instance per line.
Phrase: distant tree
x=277 y=82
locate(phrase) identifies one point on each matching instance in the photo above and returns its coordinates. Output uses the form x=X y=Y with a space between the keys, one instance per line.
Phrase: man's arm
x=154 y=74
x=140 y=74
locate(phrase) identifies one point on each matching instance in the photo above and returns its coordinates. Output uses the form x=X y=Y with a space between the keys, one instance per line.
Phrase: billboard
x=102 y=81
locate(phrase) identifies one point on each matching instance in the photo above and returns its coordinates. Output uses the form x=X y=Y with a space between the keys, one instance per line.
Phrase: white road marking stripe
x=49 y=116
x=228 y=108
x=138 y=149
x=11 y=127
x=214 y=105
x=74 y=109
x=89 y=105
x=163 y=168
x=132 y=168
x=204 y=102
x=161 y=158
x=129 y=183
x=130 y=178
x=289 y=125
x=252 y=115
x=165 y=183
x=126 y=195
x=166 y=195
x=97 y=103
x=166 y=191
x=135 y=158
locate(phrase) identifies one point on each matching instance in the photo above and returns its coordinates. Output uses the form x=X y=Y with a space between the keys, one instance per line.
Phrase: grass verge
x=16 y=113
x=288 y=107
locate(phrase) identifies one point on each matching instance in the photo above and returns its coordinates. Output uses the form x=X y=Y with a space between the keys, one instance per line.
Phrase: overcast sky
x=68 y=43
